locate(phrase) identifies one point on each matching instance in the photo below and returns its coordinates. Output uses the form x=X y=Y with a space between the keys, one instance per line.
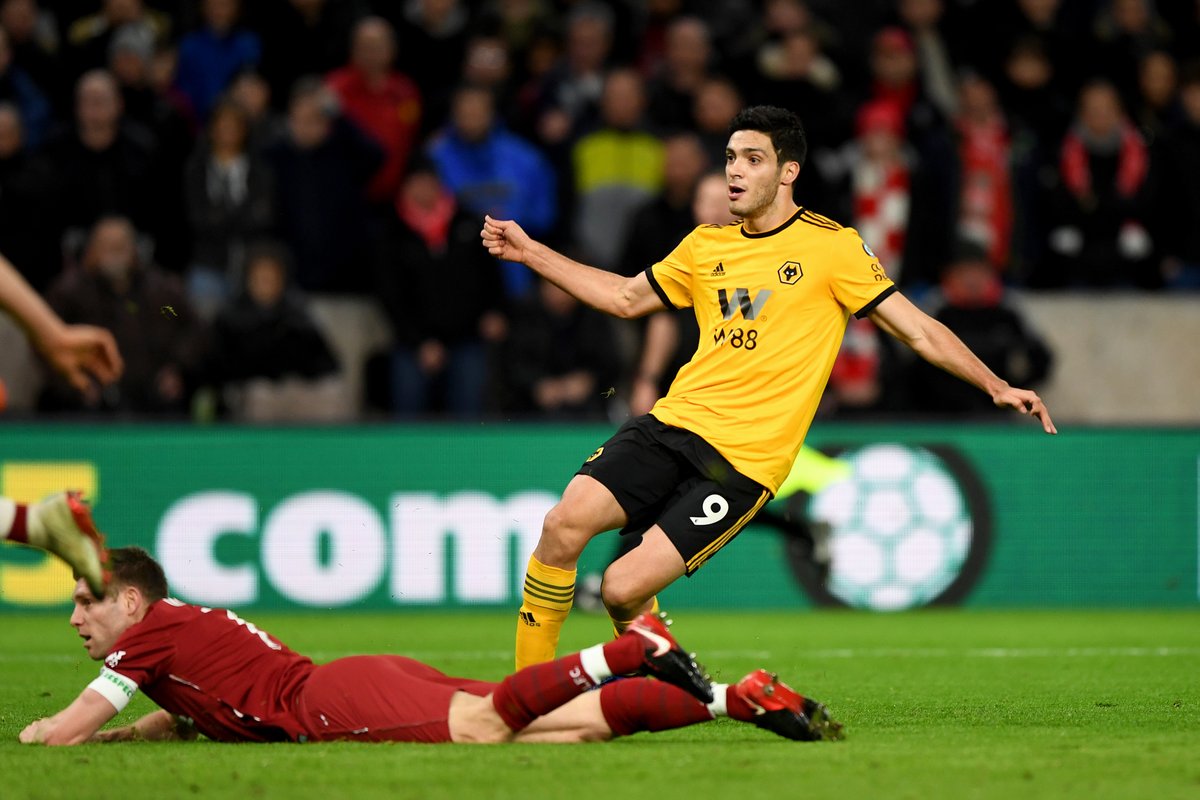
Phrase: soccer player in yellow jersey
x=772 y=295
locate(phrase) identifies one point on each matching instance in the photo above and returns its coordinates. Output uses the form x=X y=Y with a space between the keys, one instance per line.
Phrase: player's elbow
x=627 y=303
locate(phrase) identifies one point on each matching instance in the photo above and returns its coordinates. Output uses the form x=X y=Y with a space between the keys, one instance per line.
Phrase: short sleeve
x=141 y=654
x=672 y=277
x=858 y=280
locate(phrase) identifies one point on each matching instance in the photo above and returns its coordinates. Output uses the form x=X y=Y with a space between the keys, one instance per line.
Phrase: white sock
x=8 y=513
x=718 y=707
x=594 y=663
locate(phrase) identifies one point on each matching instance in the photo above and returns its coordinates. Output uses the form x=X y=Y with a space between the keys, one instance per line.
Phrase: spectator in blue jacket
x=18 y=88
x=212 y=55
x=493 y=171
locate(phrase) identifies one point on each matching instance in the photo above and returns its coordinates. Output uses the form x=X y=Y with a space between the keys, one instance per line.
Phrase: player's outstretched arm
x=78 y=352
x=606 y=291
x=156 y=726
x=938 y=345
x=75 y=724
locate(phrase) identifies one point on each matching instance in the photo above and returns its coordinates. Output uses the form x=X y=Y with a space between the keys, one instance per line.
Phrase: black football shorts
x=671 y=477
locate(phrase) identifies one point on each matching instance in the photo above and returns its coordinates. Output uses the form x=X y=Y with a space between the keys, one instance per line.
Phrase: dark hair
x=133 y=566
x=781 y=126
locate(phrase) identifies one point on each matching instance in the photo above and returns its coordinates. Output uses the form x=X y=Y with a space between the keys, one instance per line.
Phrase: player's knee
x=623 y=597
x=563 y=536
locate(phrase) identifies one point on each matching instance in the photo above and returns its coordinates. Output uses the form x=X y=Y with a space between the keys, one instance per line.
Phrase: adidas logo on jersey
x=719 y=269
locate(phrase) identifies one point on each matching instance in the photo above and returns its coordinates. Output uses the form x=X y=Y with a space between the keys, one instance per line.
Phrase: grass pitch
x=945 y=704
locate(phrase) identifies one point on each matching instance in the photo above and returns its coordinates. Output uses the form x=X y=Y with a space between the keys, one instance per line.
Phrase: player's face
x=99 y=622
x=753 y=173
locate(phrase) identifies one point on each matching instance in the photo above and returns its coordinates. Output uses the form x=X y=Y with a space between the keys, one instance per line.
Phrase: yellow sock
x=619 y=625
x=546 y=601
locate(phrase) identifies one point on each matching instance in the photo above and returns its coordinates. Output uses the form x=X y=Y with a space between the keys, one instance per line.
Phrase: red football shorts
x=380 y=699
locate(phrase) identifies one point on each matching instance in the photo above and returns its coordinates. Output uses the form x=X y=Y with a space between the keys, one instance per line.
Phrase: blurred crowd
x=275 y=204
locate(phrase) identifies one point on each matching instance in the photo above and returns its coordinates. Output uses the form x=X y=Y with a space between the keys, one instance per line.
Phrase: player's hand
x=1026 y=402
x=505 y=239
x=82 y=353
x=34 y=732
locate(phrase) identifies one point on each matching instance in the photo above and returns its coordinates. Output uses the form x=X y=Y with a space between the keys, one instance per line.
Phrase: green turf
x=937 y=704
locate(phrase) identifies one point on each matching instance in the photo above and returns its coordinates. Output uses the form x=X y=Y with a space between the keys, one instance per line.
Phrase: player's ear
x=129 y=599
x=789 y=172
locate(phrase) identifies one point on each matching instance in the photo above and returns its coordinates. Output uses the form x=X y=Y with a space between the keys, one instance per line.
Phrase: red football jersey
x=231 y=679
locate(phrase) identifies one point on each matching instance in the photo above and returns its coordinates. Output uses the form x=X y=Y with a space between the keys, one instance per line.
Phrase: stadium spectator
x=268 y=357
x=230 y=196
x=936 y=51
x=17 y=88
x=1176 y=164
x=211 y=55
x=656 y=228
x=533 y=71
x=252 y=94
x=1125 y=32
x=33 y=38
x=322 y=168
x=103 y=164
x=283 y=696
x=880 y=170
x=616 y=168
x=762 y=33
x=985 y=201
x=131 y=63
x=1058 y=26
x=27 y=233
x=487 y=63
x=1155 y=107
x=1038 y=113
x=671 y=336
x=569 y=98
x=493 y=171
x=717 y=101
x=442 y=354
x=659 y=223
x=559 y=361
x=686 y=467
x=896 y=79
x=434 y=34
x=686 y=63
x=383 y=102
x=1099 y=236
x=116 y=288
x=973 y=302
x=794 y=72
x=301 y=38
x=89 y=38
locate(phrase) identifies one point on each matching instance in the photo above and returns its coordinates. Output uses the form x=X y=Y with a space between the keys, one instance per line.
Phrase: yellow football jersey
x=772 y=308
